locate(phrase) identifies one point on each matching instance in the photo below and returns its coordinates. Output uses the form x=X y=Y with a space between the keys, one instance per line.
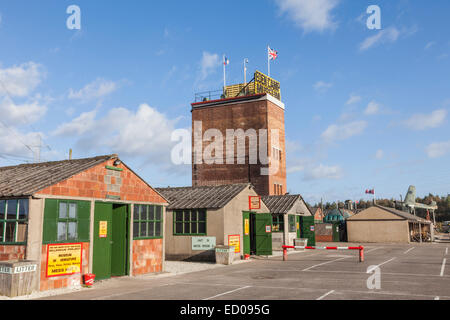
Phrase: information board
x=203 y=243
x=235 y=241
x=265 y=84
x=254 y=202
x=64 y=259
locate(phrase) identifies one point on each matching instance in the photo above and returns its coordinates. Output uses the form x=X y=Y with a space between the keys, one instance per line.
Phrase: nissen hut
x=81 y=216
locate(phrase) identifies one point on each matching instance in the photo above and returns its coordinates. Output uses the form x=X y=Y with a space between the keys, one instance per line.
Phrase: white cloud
x=97 y=89
x=373 y=108
x=342 y=132
x=438 y=149
x=145 y=134
x=427 y=121
x=389 y=35
x=429 y=45
x=20 y=81
x=26 y=113
x=322 y=86
x=310 y=15
x=324 y=172
x=379 y=154
x=353 y=99
x=209 y=64
x=16 y=144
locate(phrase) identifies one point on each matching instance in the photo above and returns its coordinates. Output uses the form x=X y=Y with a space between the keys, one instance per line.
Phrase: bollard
x=284 y=254
x=361 y=254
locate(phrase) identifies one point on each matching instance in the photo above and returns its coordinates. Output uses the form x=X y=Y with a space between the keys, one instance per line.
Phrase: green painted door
x=336 y=232
x=262 y=236
x=119 y=241
x=101 y=263
x=246 y=231
x=307 y=228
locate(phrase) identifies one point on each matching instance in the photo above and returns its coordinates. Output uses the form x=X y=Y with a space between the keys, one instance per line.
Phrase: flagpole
x=224 y=74
x=268 y=61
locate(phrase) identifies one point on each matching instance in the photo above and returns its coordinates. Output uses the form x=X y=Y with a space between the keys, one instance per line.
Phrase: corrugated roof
x=27 y=179
x=207 y=197
x=281 y=204
x=403 y=214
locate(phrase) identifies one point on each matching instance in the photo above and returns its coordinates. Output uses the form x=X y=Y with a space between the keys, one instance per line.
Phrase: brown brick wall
x=320 y=238
x=63 y=281
x=245 y=115
x=97 y=182
x=147 y=256
x=12 y=253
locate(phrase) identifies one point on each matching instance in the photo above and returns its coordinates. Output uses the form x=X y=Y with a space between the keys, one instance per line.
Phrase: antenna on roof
x=70 y=154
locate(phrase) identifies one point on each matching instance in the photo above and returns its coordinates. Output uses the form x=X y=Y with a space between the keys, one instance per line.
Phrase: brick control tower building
x=252 y=111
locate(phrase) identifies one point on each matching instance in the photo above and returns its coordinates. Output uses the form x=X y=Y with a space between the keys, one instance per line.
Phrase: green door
x=246 y=231
x=110 y=254
x=102 y=240
x=336 y=232
x=119 y=241
x=307 y=228
x=262 y=233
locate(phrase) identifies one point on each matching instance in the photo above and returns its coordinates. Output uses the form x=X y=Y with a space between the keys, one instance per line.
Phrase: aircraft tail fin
x=410 y=197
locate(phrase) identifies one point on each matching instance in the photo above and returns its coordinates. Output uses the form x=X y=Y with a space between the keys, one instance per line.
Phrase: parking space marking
x=228 y=292
x=325 y=295
x=410 y=249
x=443 y=267
x=379 y=265
x=327 y=262
x=446 y=250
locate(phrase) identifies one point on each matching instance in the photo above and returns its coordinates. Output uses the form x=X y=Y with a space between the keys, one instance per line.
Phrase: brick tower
x=253 y=111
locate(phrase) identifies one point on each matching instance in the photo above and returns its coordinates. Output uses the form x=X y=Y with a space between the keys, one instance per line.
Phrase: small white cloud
x=373 y=108
x=20 y=81
x=97 y=89
x=322 y=86
x=438 y=149
x=379 y=154
x=209 y=64
x=353 y=99
x=389 y=35
x=429 y=45
x=26 y=113
x=427 y=121
x=342 y=132
x=324 y=172
x=310 y=15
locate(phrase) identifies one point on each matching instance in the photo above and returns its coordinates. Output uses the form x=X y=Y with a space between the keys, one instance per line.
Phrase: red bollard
x=361 y=254
x=284 y=254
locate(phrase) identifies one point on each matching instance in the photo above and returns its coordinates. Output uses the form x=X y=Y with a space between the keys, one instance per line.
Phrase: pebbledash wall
x=101 y=183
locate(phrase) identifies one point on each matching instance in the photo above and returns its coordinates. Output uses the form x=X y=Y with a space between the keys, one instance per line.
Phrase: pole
x=245 y=71
x=268 y=61
x=224 y=74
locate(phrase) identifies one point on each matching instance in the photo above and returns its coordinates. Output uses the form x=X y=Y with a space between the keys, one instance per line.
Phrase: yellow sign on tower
x=265 y=84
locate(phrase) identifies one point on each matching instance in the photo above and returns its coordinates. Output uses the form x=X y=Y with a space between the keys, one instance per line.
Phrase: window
x=292 y=224
x=13 y=221
x=278 y=223
x=189 y=222
x=147 y=222
x=67 y=221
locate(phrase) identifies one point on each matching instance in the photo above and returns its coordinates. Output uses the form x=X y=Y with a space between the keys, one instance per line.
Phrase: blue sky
x=364 y=108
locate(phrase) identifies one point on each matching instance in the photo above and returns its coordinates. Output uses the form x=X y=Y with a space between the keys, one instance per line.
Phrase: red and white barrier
x=360 y=248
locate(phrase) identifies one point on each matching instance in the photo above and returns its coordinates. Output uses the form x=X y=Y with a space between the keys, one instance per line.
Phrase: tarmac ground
x=389 y=272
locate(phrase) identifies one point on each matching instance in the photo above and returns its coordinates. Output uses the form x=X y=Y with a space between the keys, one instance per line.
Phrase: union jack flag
x=272 y=54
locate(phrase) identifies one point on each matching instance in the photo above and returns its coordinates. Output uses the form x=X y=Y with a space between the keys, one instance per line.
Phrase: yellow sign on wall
x=103 y=229
x=235 y=241
x=264 y=84
x=247 y=227
x=64 y=259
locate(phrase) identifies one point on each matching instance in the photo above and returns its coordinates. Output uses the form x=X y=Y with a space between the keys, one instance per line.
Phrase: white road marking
x=379 y=265
x=222 y=294
x=437 y=298
x=443 y=267
x=373 y=249
x=325 y=295
x=446 y=250
x=323 y=263
x=409 y=250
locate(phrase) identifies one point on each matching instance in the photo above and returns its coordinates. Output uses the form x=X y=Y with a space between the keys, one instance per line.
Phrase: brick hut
x=73 y=217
